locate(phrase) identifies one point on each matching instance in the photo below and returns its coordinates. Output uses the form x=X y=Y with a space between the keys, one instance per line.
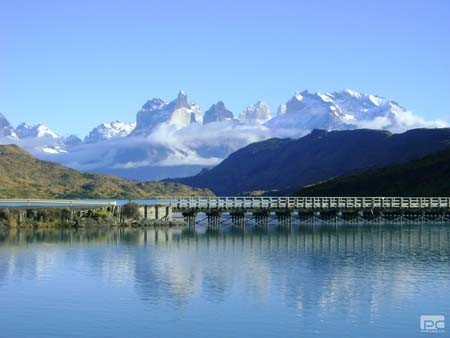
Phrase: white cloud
x=400 y=121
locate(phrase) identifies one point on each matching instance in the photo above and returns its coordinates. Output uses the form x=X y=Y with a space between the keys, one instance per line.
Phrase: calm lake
x=327 y=281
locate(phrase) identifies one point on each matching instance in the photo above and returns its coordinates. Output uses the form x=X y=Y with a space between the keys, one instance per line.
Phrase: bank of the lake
x=113 y=215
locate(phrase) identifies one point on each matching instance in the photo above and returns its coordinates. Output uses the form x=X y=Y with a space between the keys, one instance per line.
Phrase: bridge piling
x=190 y=217
x=262 y=218
x=284 y=218
x=238 y=218
x=214 y=217
x=21 y=217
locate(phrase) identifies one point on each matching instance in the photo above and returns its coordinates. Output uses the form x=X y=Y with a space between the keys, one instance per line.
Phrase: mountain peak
x=24 y=125
x=353 y=93
x=258 y=112
x=106 y=131
x=6 y=130
x=25 y=130
x=298 y=95
x=154 y=104
x=178 y=112
x=181 y=100
x=72 y=140
x=217 y=112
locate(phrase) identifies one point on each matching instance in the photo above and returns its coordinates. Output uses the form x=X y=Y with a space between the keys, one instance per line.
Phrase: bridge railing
x=307 y=202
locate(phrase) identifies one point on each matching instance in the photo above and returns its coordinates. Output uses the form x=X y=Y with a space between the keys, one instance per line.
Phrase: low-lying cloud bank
x=196 y=145
x=166 y=146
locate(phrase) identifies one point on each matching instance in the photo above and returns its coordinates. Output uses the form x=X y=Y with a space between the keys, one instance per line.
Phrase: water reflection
x=346 y=272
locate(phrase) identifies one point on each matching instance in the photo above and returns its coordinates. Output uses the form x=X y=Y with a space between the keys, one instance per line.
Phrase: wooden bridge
x=305 y=203
x=261 y=211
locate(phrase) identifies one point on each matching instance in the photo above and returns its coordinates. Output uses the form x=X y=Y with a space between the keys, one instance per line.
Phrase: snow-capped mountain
x=306 y=111
x=173 y=139
x=6 y=130
x=217 y=113
x=106 y=131
x=342 y=110
x=39 y=139
x=256 y=113
x=178 y=113
x=25 y=130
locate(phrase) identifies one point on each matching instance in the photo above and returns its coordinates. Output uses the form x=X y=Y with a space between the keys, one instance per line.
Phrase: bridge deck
x=301 y=203
x=57 y=203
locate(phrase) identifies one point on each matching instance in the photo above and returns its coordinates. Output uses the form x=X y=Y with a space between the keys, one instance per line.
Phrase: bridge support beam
x=21 y=217
x=329 y=216
x=284 y=217
x=262 y=218
x=374 y=216
x=156 y=212
x=306 y=217
x=190 y=217
x=350 y=216
x=238 y=218
x=214 y=217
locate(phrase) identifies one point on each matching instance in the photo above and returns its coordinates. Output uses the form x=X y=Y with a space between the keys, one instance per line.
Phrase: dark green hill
x=23 y=176
x=286 y=165
x=429 y=176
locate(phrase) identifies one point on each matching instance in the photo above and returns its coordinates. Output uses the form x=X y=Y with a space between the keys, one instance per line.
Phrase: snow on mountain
x=42 y=145
x=178 y=113
x=343 y=110
x=217 y=113
x=55 y=149
x=25 y=130
x=281 y=109
x=6 y=130
x=258 y=112
x=375 y=112
x=307 y=111
x=39 y=139
x=106 y=131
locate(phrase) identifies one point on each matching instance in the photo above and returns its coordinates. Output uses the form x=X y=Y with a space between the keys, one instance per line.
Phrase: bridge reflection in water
x=324 y=237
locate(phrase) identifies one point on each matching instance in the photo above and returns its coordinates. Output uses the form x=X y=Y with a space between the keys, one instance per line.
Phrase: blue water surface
x=345 y=281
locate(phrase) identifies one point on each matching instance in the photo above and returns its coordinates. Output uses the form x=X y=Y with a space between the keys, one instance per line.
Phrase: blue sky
x=75 y=64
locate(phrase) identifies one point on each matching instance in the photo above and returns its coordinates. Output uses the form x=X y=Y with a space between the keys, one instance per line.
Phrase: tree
x=131 y=210
x=4 y=214
x=66 y=215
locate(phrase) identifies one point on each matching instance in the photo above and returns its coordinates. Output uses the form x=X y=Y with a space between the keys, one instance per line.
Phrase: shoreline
x=51 y=217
